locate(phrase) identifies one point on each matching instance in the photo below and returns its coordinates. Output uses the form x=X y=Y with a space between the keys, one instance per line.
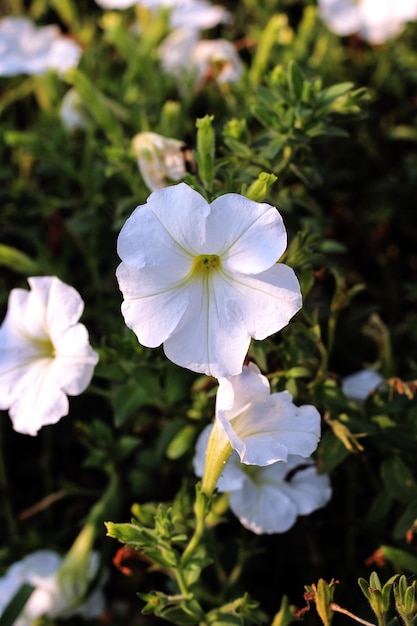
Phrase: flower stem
x=201 y=507
x=338 y=609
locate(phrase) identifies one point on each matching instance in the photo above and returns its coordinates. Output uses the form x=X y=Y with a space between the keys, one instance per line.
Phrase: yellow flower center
x=204 y=263
x=44 y=346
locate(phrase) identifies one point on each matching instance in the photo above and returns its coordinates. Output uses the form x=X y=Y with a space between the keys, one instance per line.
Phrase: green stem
x=201 y=508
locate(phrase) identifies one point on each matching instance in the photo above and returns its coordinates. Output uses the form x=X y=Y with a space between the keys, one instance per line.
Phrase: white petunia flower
x=189 y=59
x=159 y=159
x=262 y=428
x=358 y=386
x=51 y=597
x=26 y=49
x=202 y=279
x=45 y=354
x=374 y=20
x=268 y=499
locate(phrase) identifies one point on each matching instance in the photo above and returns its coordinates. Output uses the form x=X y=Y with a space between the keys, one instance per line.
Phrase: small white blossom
x=72 y=111
x=160 y=159
x=268 y=499
x=26 y=49
x=187 y=58
x=359 y=386
x=191 y=14
x=374 y=20
x=51 y=597
x=45 y=354
x=202 y=279
x=264 y=427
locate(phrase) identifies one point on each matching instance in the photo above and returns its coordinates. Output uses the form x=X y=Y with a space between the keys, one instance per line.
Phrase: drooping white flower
x=268 y=499
x=189 y=59
x=72 y=111
x=45 y=354
x=26 y=49
x=359 y=385
x=374 y=20
x=202 y=279
x=51 y=597
x=159 y=158
x=262 y=428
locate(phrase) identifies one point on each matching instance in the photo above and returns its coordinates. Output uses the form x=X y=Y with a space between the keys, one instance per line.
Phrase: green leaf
x=182 y=442
x=295 y=81
x=398 y=479
x=18 y=261
x=401 y=559
x=16 y=604
x=328 y=95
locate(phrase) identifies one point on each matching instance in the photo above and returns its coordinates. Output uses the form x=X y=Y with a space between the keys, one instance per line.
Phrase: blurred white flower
x=198 y=15
x=159 y=159
x=72 y=111
x=374 y=20
x=187 y=58
x=44 y=354
x=359 y=385
x=261 y=427
x=268 y=499
x=116 y=4
x=50 y=597
x=191 y=14
x=202 y=279
x=26 y=49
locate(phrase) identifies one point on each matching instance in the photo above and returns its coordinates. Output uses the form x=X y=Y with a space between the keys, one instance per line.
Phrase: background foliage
x=334 y=121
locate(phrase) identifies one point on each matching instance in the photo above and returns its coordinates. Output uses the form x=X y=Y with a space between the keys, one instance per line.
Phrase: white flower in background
x=268 y=499
x=198 y=15
x=202 y=279
x=374 y=20
x=26 y=49
x=50 y=597
x=192 y=14
x=72 y=111
x=185 y=57
x=359 y=386
x=159 y=159
x=116 y=4
x=45 y=354
x=262 y=428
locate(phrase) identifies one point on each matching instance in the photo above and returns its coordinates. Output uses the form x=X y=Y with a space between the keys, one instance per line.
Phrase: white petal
x=208 y=339
x=249 y=235
x=167 y=231
x=235 y=392
x=40 y=401
x=267 y=431
x=268 y=300
x=199 y=459
x=310 y=489
x=154 y=302
x=263 y=509
x=60 y=303
x=359 y=386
